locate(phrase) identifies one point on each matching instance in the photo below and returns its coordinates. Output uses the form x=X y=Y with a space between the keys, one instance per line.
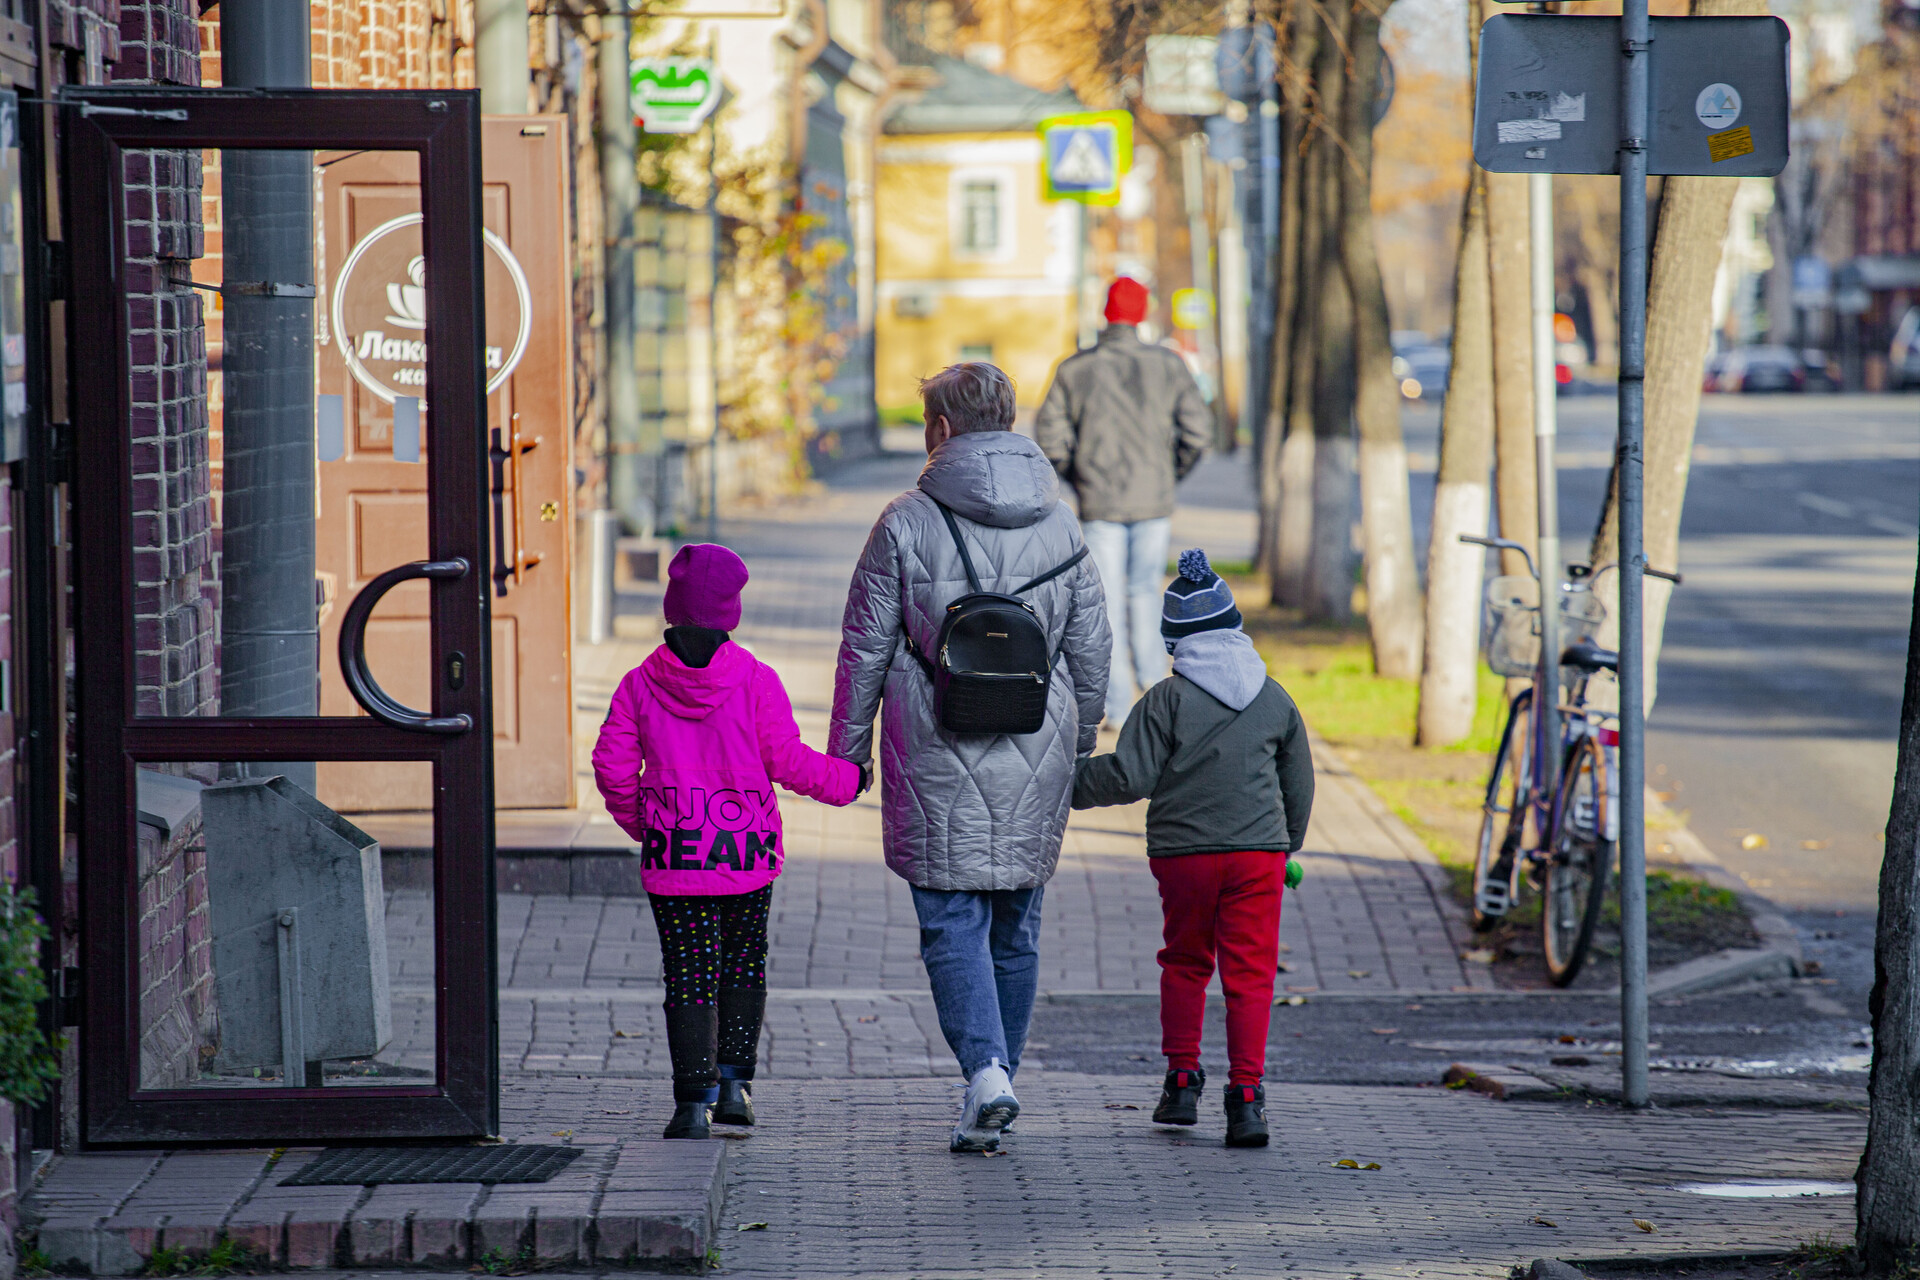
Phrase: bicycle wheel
x=1581 y=857
x=1503 y=819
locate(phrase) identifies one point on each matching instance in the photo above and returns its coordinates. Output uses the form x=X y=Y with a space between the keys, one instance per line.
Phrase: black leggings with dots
x=713 y=955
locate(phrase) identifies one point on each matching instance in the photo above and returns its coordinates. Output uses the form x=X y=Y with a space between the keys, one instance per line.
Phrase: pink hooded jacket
x=687 y=760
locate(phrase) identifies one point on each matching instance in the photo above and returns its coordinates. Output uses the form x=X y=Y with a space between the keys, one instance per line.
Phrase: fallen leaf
x=1290 y=1000
x=563 y=1133
x=1479 y=955
x=1753 y=840
x=1546 y=1222
x=751 y=1226
x=620 y=1035
x=1644 y=1225
x=1456 y=1084
x=1569 y=1039
x=870 y=1017
x=1355 y=1164
x=991 y=1154
x=1121 y=1106
x=1415 y=1008
x=1385 y=1031
x=1284 y=948
x=1285 y=967
x=1663 y=847
x=1663 y=796
x=1815 y=844
x=605 y=1112
x=1359 y=973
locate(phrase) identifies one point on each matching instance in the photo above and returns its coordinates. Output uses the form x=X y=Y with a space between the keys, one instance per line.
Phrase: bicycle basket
x=1581 y=613
x=1512 y=625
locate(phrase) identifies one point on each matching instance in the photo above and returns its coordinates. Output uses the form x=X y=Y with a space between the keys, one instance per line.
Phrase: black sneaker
x=689 y=1121
x=736 y=1103
x=1246 y=1115
x=1180 y=1098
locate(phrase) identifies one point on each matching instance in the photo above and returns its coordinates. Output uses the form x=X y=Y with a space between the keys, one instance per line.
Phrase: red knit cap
x=1126 y=302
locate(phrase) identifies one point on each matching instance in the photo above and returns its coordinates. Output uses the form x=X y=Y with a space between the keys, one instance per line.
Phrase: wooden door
x=370 y=354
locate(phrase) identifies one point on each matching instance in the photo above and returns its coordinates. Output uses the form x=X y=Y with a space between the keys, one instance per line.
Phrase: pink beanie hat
x=703 y=587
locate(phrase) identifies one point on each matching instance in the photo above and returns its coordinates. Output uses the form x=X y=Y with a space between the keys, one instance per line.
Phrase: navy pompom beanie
x=1197 y=601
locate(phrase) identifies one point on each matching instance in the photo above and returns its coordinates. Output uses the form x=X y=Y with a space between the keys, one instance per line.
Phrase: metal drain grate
x=368 y=1166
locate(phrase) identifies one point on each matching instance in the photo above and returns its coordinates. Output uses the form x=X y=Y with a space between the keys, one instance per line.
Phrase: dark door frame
x=443 y=128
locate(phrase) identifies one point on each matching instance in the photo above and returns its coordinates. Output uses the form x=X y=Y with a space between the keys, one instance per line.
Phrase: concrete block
x=532 y=875
x=499 y=1230
x=615 y=875
x=379 y=1239
x=69 y=1243
x=1554 y=1269
x=329 y=871
x=261 y=1233
x=439 y=1237
x=560 y=1232
x=1721 y=969
x=630 y=1234
x=123 y=1246
x=313 y=1239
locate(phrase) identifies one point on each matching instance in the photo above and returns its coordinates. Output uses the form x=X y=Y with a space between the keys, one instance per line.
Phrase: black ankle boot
x=736 y=1102
x=1180 y=1098
x=1246 y=1115
x=689 y=1121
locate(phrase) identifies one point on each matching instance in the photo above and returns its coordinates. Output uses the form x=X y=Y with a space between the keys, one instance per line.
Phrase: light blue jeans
x=982 y=952
x=1132 y=559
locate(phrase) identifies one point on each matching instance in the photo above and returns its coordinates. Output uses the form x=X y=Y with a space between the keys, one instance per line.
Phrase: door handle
x=353 y=650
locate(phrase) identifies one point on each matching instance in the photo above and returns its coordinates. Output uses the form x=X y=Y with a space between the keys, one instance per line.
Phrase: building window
x=981 y=351
x=980 y=216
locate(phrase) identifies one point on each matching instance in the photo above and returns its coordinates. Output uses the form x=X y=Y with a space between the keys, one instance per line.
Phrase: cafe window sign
x=380 y=310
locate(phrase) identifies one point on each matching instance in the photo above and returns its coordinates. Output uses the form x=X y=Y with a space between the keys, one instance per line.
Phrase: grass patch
x=224 y=1259
x=901 y=415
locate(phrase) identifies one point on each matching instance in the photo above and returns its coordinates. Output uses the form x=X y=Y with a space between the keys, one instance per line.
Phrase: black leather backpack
x=992 y=669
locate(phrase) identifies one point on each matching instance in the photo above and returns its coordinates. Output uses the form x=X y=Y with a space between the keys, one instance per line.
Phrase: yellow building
x=971 y=263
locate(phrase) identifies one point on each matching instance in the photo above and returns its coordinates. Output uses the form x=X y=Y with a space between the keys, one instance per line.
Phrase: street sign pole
x=1545 y=434
x=1636 y=50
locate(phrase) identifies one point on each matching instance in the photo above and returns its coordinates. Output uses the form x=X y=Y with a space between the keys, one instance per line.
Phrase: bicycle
x=1572 y=812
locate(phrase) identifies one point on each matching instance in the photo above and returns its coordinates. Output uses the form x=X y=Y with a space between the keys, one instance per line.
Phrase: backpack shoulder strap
x=960 y=543
x=1054 y=572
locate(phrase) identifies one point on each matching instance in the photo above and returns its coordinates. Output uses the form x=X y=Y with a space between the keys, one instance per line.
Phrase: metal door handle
x=353 y=650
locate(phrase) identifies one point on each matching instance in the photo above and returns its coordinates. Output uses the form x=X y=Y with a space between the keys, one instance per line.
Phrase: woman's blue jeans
x=982 y=952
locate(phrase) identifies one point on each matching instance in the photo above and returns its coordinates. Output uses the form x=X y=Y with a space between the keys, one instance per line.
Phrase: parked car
x=1422 y=370
x=1754 y=369
x=1903 y=358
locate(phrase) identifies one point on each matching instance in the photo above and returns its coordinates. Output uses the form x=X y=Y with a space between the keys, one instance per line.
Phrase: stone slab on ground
x=1707 y=1088
x=628 y=1201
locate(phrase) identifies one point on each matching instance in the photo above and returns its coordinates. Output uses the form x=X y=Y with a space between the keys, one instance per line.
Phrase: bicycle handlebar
x=1581 y=570
x=1503 y=544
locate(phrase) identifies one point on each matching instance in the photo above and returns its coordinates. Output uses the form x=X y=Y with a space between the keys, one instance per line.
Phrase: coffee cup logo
x=380 y=310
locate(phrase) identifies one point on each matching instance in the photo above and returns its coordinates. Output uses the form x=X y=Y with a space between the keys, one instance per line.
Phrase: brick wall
x=179 y=1023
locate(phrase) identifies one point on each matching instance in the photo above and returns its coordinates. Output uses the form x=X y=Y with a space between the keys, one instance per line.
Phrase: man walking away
x=972 y=821
x=1123 y=422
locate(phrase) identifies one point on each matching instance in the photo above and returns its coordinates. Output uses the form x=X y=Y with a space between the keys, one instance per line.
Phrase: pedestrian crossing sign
x=1083 y=156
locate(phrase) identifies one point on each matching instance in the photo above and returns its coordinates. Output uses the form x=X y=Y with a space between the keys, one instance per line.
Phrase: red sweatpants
x=1224 y=904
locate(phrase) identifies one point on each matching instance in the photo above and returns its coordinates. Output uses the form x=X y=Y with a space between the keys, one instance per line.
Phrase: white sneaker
x=989 y=1108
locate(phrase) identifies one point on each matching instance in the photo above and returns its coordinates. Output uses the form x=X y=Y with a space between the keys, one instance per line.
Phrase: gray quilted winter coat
x=963 y=811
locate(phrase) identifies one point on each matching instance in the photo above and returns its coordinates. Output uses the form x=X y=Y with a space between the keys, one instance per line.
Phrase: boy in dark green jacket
x=1221 y=752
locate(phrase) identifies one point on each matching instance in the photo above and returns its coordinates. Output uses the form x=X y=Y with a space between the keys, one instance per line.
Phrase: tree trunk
x=1692 y=231
x=1515 y=479
x=1303 y=42
x=1294 y=542
x=1330 y=568
x=1449 y=682
x=1888 y=1206
x=1394 y=621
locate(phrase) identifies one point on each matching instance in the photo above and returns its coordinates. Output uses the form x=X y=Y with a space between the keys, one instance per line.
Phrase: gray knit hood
x=1224 y=663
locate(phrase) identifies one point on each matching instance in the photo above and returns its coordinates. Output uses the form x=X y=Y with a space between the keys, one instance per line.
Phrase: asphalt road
x=1795 y=1030
x=1779 y=687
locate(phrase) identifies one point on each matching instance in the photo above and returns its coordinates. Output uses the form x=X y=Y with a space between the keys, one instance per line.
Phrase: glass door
x=258 y=968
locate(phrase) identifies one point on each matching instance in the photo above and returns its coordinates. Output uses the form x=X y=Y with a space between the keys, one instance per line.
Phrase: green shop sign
x=673 y=95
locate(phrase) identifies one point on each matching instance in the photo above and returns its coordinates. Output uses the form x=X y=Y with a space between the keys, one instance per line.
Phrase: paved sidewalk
x=847 y=1175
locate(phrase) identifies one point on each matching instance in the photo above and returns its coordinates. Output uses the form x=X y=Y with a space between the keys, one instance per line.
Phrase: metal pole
x=500 y=56
x=1193 y=177
x=713 y=364
x=1546 y=479
x=1635 y=43
x=630 y=473
x=269 y=620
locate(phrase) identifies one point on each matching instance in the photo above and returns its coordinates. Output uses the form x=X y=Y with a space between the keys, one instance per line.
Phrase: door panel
x=233 y=924
x=529 y=359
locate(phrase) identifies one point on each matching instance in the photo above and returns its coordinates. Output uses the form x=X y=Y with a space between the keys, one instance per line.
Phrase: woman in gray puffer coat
x=973 y=823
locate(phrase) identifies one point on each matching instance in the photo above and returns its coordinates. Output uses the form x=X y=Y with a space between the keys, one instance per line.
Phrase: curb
x=1778 y=938
x=638 y=1204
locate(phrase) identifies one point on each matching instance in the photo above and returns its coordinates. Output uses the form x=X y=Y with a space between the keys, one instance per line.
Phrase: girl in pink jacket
x=693 y=742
